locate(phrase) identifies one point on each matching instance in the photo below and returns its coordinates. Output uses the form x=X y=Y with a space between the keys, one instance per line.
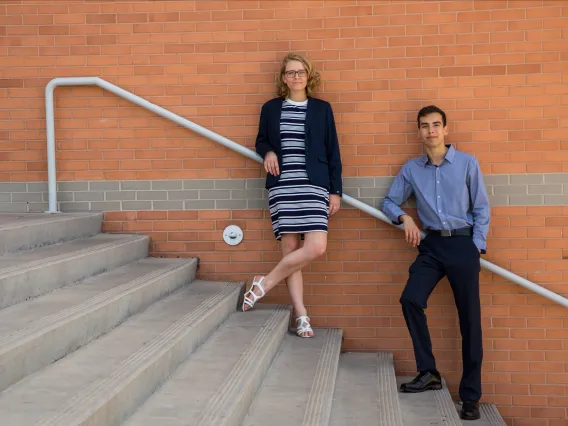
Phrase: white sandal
x=250 y=297
x=303 y=326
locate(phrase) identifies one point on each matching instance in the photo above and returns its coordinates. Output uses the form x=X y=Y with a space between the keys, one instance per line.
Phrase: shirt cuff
x=395 y=214
x=480 y=244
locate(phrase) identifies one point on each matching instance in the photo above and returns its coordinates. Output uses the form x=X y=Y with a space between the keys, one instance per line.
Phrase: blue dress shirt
x=449 y=196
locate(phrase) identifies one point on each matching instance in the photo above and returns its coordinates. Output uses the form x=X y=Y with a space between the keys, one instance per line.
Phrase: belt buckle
x=446 y=233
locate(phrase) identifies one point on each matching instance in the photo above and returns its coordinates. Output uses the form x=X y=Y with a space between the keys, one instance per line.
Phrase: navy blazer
x=323 y=160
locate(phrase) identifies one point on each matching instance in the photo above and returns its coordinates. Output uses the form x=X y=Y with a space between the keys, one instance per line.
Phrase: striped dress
x=296 y=206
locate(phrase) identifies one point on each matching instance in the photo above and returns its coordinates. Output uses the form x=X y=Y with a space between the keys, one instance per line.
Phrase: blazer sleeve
x=333 y=154
x=262 y=145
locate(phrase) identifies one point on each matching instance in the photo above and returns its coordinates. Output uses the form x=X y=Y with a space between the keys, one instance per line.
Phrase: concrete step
x=216 y=385
x=299 y=387
x=28 y=274
x=489 y=416
x=366 y=391
x=431 y=408
x=36 y=333
x=24 y=231
x=99 y=384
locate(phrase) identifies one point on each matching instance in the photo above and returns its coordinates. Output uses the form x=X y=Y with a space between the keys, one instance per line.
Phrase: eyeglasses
x=299 y=73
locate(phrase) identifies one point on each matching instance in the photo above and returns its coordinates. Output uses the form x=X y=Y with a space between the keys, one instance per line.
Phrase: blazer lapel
x=277 y=115
x=309 y=113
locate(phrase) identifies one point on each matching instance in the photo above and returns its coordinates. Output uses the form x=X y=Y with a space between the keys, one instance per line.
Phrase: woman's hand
x=271 y=163
x=334 y=203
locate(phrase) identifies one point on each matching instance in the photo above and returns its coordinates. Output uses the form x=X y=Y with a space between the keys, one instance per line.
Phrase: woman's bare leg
x=294 y=282
x=315 y=244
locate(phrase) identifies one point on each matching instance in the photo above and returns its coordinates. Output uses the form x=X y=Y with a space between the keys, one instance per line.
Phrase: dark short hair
x=429 y=110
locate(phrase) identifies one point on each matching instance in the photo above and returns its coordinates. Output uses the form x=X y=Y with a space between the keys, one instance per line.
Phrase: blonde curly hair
x=313 y=75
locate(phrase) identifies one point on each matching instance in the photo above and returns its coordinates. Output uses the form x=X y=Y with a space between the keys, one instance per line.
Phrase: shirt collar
x=450 y=155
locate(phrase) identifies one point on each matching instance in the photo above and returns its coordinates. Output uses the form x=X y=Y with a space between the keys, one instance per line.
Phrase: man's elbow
x=386 y=206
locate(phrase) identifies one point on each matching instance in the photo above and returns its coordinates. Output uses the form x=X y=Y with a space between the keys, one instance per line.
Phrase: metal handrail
x=95 y=81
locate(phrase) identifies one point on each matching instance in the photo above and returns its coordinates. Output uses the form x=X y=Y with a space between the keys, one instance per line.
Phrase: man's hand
x=271 y=163
x=411 y=231
x=334 y=203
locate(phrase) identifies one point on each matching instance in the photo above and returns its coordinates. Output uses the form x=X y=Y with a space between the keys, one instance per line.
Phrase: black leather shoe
x=470 y=410
x=423 y=382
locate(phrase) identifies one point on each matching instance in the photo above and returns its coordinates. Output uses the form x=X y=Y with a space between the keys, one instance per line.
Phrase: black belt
x=451 y=232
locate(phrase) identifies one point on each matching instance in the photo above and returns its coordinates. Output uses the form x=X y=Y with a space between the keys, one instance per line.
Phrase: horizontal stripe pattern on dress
x=296 y=206
x=292 y=140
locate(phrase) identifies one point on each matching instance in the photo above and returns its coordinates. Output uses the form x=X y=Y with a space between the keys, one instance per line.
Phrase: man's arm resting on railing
x=480 y=210
x=398 y=193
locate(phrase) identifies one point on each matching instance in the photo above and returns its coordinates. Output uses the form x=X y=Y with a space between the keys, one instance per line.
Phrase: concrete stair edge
x=318 y=410
x=230 y=405
x=27 y=350
x=446 y=405
x=492 y=414
x=34 y=278
x=390 y=412
x=112 y=398
x=46 y=229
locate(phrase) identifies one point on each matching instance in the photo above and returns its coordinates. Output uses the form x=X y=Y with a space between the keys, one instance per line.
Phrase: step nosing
x=318 y=410
x=44 y=221
x=492 y=414
x=245 y=365
x=66 y=257
x=320 y=379
x=446 y=406
x=247 y=360
x=104 y=389
x=391 y=414
x=51 y=322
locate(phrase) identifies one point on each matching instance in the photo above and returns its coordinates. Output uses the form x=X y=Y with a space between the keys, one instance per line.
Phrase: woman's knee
x=290 y=243
x=317 y=249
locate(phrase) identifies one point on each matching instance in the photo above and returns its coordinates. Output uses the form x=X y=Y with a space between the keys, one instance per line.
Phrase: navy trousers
x=457 y=258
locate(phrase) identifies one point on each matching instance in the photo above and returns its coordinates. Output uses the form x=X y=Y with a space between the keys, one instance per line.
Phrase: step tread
x=206 y=376
x=17 y=318
x=47 y=393
x=356 y=391
x=366 y=391
x=12 y=263
x=30 y=231
x=489 y=416
x=19 y=220
x=283 y=398
x=431 y=408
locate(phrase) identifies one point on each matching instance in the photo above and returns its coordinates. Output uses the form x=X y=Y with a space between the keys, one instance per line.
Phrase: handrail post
x=51 y=167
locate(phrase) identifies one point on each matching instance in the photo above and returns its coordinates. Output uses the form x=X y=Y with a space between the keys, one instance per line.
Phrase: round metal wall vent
x=233 y=235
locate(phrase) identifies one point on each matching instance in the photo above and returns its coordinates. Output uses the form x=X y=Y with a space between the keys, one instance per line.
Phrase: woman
x=298 y=141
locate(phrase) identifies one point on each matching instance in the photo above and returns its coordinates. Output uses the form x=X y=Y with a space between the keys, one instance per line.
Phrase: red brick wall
x=499 y=69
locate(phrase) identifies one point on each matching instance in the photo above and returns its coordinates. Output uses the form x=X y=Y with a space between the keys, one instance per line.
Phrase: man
x=454 y=209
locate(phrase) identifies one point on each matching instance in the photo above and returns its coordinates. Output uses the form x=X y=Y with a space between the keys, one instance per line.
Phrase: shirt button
x=438 y=196
x=438 y=181
x=439 y=211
